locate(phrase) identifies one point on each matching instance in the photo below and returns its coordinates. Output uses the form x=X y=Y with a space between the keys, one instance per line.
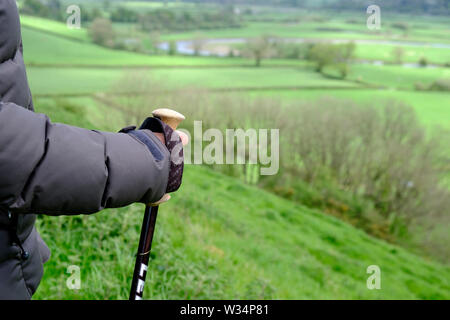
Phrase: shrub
x=423 y=62
x=404 y=26
x=101 y=32
x=292 y=50
x=198 y=43
x=337 y=56
x=437 y=85
x=398 y=54
x=419 y=86
x=379 y=153
x=172 y=48
x=441 y=85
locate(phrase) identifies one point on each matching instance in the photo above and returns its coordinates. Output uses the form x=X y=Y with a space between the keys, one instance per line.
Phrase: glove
x=174 y=142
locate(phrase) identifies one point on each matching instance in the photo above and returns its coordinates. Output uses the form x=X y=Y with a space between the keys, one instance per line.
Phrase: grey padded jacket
x=55 y=169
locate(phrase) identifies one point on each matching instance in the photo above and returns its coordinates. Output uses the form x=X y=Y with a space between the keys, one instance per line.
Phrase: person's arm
x=60 y=169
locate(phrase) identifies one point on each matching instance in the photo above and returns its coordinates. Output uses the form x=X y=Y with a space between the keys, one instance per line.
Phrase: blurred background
x=361 y=98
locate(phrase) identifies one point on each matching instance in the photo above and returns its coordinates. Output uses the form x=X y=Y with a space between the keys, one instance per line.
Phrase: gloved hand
x=185 y=140
x=174 y=142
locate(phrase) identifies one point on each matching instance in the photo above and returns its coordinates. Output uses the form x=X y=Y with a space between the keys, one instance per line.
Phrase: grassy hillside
x=53 y=27
x=219 y=238
x=214 y=243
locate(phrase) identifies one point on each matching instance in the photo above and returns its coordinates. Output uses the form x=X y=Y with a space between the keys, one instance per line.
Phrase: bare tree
x=155 y=39
x=398 y=54
x=198 y=43
x=259 y=48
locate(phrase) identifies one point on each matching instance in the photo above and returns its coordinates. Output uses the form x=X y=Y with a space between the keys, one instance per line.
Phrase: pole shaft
x=143 y=254
x=172 y=119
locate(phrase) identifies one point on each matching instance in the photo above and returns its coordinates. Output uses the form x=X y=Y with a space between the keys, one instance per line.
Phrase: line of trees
x=52 y=9
x=154 y=20
x=164 y=19
x=437 y=7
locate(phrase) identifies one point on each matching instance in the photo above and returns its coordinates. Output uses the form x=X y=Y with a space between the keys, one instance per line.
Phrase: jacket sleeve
x=59 y=169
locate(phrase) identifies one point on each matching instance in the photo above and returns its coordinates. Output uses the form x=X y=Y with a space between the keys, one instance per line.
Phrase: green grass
x=432 y=108
x=91 y=80
x=71 y=80
x=80 y=111
x=397 y=76
x=53 y=27
x=249 y=78
x=411 y=54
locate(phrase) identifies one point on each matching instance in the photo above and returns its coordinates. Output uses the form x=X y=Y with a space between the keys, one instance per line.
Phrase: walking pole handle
x=172 y=119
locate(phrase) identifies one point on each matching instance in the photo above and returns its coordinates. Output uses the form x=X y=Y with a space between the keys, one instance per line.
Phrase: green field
x=399 y=77
x=53 y=27
x=432 y=108
x=219 y=238
x=306 y=30
x=338 y=30
x=90 y=80
x=383 y=52
x=70 y=53
x=328 y=28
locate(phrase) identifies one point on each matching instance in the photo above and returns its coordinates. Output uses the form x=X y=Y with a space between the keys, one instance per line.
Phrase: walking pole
x=173 y=119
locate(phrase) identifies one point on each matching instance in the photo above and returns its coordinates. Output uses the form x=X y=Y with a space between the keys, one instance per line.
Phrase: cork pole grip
x=170 y=117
